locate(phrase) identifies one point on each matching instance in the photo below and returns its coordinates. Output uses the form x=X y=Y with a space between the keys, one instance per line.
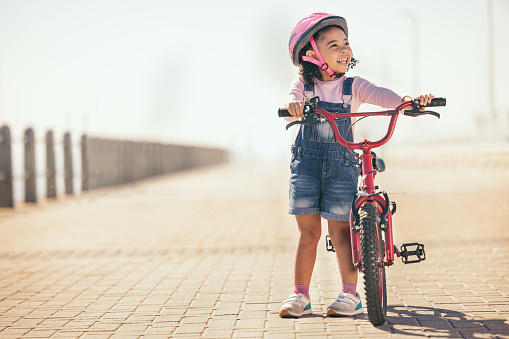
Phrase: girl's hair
x=310 y=71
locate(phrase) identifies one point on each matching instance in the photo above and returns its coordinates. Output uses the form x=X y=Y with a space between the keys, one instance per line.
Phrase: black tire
x=372 y=263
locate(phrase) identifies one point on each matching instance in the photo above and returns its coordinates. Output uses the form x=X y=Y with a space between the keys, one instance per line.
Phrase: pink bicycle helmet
x=303 y=33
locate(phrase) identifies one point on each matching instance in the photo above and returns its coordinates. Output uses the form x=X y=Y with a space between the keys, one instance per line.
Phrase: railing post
x=84 y=163
x=128 y=161
x=92 y=151
x=51 y=189
x=68 y=173
x=6 y=193
x=30 y=174
x=121 y=162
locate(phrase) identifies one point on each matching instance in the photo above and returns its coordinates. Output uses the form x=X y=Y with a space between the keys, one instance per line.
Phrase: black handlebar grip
x=436 y=102
x=283 y=112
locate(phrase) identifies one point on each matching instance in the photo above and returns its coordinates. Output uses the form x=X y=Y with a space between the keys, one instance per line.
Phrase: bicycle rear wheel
x=373 y=253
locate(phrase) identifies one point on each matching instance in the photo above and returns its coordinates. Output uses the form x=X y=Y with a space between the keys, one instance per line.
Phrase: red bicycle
x=371 y=214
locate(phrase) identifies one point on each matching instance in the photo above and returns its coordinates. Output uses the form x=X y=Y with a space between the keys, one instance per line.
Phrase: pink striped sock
x=345 y=288
x=304 y=289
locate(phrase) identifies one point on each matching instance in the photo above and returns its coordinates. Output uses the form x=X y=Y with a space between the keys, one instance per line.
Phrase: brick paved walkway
x=209 y=253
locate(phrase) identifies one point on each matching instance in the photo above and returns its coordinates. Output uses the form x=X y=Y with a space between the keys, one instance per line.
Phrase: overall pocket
x=322 y=131
x=296 y=157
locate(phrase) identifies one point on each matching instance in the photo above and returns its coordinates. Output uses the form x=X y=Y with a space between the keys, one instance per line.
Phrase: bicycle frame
x=369 y=192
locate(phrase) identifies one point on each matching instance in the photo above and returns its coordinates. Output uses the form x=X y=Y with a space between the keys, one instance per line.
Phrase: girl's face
x=335 y=50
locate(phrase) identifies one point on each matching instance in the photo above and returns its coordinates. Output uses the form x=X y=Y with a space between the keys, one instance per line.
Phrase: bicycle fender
x=357 y=203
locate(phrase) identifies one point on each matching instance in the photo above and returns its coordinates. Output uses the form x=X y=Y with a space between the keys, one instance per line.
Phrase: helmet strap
x=320 y=62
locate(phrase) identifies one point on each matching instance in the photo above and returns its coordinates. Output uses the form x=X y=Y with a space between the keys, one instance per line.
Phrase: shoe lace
x=293 y=298
x=343 y=298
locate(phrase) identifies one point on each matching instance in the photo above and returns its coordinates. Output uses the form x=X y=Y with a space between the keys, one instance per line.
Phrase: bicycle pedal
x=393 y=207
x=412 y=253
x=328 y=244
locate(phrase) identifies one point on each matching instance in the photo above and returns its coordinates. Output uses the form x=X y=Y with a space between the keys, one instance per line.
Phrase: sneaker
x=295 y=306
x=346 y=304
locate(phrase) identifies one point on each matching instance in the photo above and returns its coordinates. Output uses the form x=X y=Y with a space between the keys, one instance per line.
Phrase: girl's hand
x=296 y=108
x=424 y=100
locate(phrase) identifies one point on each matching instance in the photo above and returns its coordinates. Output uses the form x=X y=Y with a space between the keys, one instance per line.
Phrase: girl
x=323 y=183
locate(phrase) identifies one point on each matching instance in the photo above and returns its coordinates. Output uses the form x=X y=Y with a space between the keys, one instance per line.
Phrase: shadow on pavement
x=440 y=322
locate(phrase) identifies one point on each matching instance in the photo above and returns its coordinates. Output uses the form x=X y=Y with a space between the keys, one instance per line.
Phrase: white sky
x=215 y=72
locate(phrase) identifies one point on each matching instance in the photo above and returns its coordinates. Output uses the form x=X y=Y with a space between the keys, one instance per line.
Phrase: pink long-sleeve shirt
x=331 y=91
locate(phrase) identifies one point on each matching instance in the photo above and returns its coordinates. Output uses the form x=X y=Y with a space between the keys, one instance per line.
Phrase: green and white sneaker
x=295 y=306
x=346 y=304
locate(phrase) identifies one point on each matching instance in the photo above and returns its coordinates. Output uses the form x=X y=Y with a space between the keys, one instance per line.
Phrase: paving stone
x=250 y=323
x=67 y=334
x=40 y=333
x=277 y=335
x=218 y=333
x=96 y=335
x=190 y=329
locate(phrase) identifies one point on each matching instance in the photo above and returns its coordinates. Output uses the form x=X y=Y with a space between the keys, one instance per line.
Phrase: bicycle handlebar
x=436 y=102
x=310 y=118
x=283 y=113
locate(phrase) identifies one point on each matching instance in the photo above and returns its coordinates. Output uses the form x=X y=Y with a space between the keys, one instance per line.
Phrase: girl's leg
x=339 y=232
x=310 y=229
x=348 y=302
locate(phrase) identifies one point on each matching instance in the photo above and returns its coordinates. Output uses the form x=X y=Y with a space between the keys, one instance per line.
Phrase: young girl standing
x=323 y=183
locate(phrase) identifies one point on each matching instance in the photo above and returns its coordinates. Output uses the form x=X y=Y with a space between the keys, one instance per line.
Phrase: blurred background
x=214 y=72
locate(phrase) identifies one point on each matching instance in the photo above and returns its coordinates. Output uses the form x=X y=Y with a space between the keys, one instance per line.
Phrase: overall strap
x=346 y=95
x=347 y=86
x=308 y=88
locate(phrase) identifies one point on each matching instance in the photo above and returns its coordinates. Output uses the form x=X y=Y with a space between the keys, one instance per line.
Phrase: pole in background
x=6 y=192
x=30 y=174
x=51 y=190
x=84 y=163
x=491 y=63
x=68 y=173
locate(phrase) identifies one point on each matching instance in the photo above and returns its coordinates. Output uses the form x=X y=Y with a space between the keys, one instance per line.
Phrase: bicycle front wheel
x=373 y=253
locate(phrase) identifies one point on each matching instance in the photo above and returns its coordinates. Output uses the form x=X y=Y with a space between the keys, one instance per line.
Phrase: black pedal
x=328 y=244
x=412 y=253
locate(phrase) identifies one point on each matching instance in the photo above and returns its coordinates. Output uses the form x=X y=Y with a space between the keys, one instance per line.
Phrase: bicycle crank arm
x=411 y=253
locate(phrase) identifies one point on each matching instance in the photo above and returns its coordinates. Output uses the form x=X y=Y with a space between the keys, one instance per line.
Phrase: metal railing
x=104 y=162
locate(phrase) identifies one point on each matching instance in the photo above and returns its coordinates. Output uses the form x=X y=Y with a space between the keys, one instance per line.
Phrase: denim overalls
x=322 y=180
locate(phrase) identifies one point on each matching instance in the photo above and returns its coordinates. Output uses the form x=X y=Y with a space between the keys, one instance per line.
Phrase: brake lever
x=433 y=113
x=415 y=112
x=309 y=119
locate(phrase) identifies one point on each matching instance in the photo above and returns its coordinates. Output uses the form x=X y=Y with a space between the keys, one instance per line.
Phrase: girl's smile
x=343 y=60
x=335 y=50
